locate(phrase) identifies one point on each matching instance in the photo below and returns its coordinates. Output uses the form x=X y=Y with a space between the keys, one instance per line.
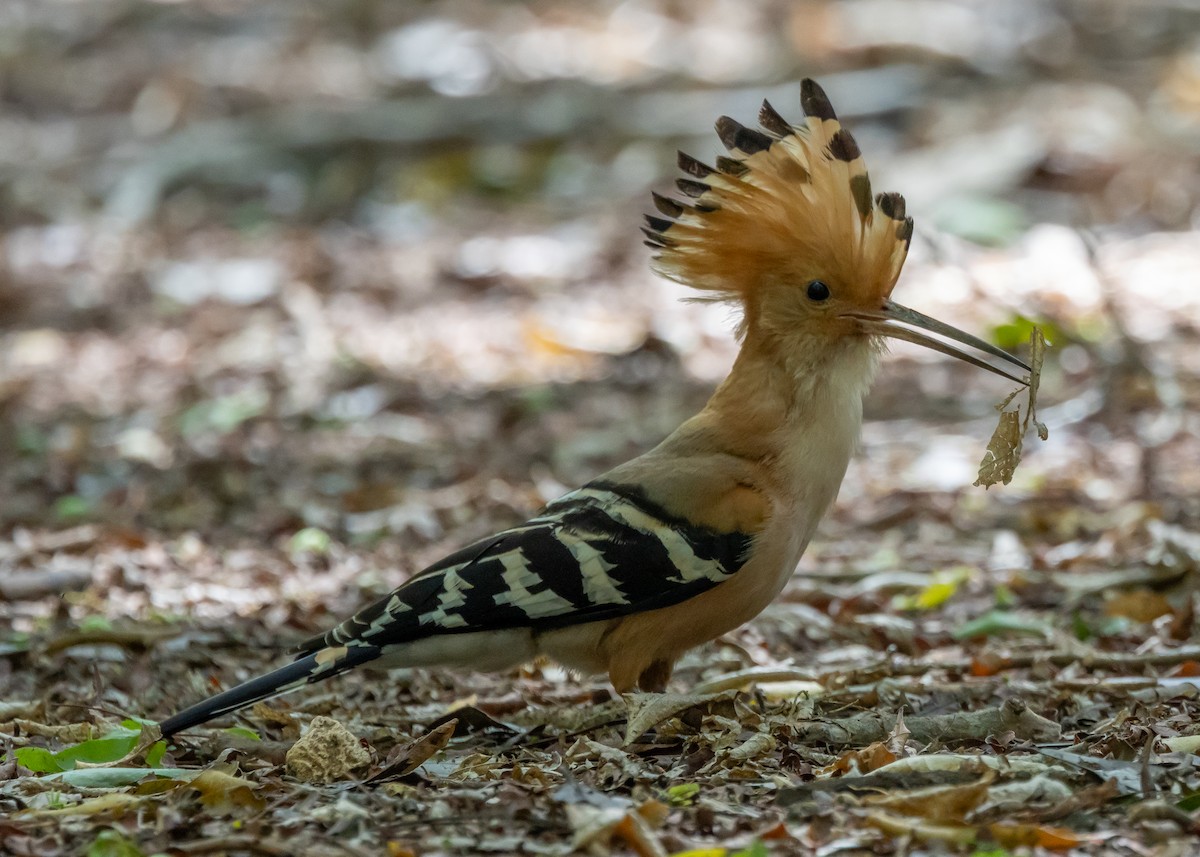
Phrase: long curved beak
x=889 y=320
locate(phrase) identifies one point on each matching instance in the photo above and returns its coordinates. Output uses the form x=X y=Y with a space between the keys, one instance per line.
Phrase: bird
x=696 y=536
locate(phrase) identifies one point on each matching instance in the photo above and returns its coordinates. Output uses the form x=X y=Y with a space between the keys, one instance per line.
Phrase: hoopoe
x=698 y=535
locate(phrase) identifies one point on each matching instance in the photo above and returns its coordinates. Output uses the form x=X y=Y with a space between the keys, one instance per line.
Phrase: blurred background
x=296 y=295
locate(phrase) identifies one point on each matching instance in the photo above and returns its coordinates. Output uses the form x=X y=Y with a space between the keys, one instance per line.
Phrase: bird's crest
x=789 y=202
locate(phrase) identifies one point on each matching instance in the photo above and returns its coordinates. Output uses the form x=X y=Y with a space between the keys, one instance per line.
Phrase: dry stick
x=32 y=585
x=1115 y=662
x=1152 y=810
x=269 y=847
x=1149 y=792
x=862 y=729
x=124 y=637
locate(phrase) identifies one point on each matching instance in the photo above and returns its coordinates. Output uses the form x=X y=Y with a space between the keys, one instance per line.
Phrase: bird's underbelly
x=630 y=645
x=482 y=651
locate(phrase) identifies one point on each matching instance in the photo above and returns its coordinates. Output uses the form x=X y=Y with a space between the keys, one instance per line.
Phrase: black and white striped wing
x=597 y=553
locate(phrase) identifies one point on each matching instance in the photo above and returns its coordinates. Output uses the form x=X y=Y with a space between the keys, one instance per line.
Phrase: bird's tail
x=314 y=667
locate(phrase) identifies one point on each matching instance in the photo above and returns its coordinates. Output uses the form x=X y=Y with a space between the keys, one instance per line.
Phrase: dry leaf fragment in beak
x=1004 y=449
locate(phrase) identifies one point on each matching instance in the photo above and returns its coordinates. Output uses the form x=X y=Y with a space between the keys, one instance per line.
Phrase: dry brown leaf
x=1036 y=835
x=276 y=717
x=222 y=791
x=594 y=827
x=69 y=733
x=1003 y=452
x=647 y=710
x=869 y=758
x=939 y=804
x=114 y=804
x=404 y=760
x=896 y=825
x=898 y=737
x=955 y=762
x=1140 y=605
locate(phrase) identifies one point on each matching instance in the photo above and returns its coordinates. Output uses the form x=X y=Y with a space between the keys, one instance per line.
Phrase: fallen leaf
x=939 y=804
x=1140 y=605
x=403 y=761
x=114 y=804
x=647 y=710
x=222 y=791
x=109 y=843
x=1034 y=835
x=897 y=825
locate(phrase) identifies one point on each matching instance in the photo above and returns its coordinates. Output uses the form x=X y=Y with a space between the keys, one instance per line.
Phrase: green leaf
x=754 y=849
x=37 y=759
x=312 y=540
x=71 y=508
x=1014 y=333
x=154 y=755
x=242 y=732
x=95 y=623
x=100 y=751
x=1080 y=627
x=1002 y=622
x=683 y=794
x=224 y=413
x=14 y=644
x=1189 y=803
x=984 y=220
x=109 y=843
x=112 y=778
x=135 y=722
x=941 y=588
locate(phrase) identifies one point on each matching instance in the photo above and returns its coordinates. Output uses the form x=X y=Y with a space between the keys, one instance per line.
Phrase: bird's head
x=787 y=226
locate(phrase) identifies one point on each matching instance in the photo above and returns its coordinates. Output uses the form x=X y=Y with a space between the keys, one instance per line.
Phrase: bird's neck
x=784 y=400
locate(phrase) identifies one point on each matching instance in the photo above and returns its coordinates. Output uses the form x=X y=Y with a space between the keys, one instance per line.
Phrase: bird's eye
x=818 y=291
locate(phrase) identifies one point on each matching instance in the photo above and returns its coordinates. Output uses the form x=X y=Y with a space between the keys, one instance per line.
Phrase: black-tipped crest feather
x=860 y=189
x=788 y=201
x=691 y=188
x=731 y=166
x=693 y=167
x=666 y=205
x=843 y=146
x=770 y=119
x=891 y=204
x=814 y=101
x=656 y=239
x=737 y=137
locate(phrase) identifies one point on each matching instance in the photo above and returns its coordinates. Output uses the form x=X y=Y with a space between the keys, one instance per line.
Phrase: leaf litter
x=198 y=473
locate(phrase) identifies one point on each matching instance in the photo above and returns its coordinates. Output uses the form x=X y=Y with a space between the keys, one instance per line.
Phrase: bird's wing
x=597 y=553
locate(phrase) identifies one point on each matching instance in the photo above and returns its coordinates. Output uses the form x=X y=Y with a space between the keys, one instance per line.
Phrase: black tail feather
x=305 y=670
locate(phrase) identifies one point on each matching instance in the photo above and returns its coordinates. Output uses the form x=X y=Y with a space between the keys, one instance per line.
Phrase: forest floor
x=257 y=367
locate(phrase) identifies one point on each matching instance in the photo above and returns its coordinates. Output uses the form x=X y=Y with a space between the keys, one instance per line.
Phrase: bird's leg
x=654 y=678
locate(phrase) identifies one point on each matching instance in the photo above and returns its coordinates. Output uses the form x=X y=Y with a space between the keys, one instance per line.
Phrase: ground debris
x=326 y=752
x=381 y=305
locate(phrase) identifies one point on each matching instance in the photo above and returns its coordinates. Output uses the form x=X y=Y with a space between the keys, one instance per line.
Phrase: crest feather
x=787 y=202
